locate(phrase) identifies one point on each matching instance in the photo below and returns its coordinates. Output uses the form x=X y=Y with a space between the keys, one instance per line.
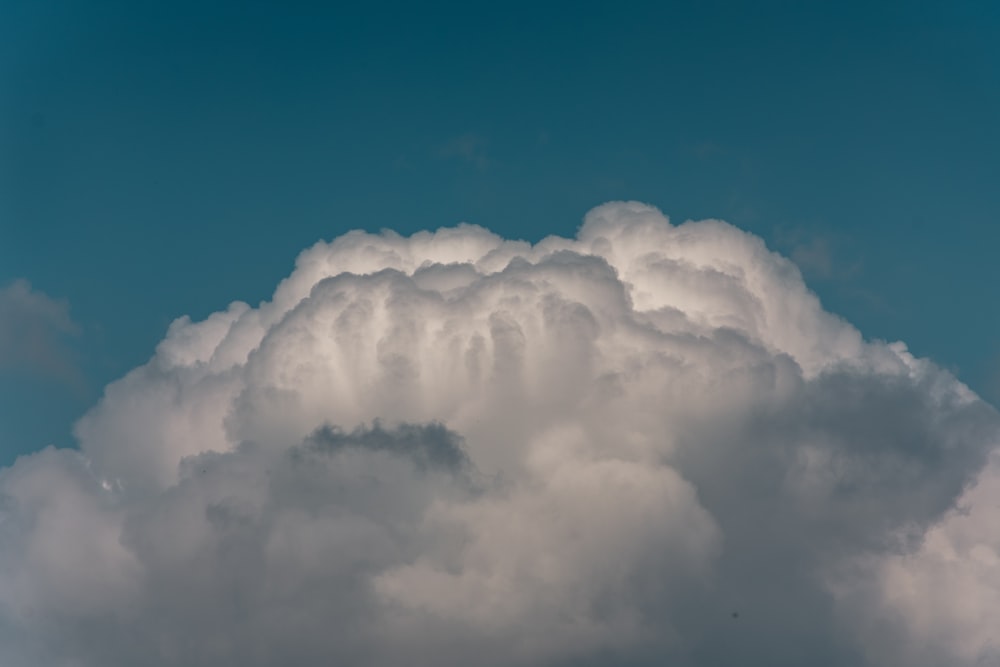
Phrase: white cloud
x=453 y=448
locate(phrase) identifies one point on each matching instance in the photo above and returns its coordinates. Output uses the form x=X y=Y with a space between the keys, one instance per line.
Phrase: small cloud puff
x=452 y=448
x=469 y=148
x=34 y=329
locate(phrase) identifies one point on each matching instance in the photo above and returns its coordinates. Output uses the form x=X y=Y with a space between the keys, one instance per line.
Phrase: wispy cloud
x=821 y=255
x=814 y=257
x=469 y=148
x=34 y=333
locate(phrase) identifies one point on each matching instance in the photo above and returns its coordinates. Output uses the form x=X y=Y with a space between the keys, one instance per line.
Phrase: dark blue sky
x=168 y=158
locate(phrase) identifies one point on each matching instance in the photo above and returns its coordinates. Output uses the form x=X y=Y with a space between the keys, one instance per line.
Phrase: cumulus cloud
x=645 y=445
x=33 y=332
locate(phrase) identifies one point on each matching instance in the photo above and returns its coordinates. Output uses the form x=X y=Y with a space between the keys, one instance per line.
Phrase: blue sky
x=166 y=159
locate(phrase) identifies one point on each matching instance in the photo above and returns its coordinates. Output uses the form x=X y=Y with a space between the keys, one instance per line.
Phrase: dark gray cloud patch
x=427 y=445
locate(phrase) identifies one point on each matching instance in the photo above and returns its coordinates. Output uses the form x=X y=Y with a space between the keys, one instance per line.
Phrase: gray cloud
x=821 y=254
x=34 y=329
x=645 y=445
x=469 y=148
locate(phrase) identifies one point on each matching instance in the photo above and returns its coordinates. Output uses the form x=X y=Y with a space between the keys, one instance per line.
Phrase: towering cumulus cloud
x=648 y=445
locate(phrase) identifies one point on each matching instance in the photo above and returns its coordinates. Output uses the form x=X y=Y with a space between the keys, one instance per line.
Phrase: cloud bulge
x=645 y=445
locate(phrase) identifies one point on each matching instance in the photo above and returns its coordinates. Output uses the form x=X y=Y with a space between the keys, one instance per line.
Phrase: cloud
x=820 y=255
x=469 y=148
x=33 y=333
x=814 y=257
x=645 y=445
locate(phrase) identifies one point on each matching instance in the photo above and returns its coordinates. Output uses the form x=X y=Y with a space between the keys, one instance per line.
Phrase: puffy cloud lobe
x=452 y=447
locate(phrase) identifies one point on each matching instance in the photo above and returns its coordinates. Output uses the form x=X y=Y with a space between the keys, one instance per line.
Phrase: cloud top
x=648 y=444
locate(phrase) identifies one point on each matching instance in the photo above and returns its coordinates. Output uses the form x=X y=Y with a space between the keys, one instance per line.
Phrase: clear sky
x=161 y=159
